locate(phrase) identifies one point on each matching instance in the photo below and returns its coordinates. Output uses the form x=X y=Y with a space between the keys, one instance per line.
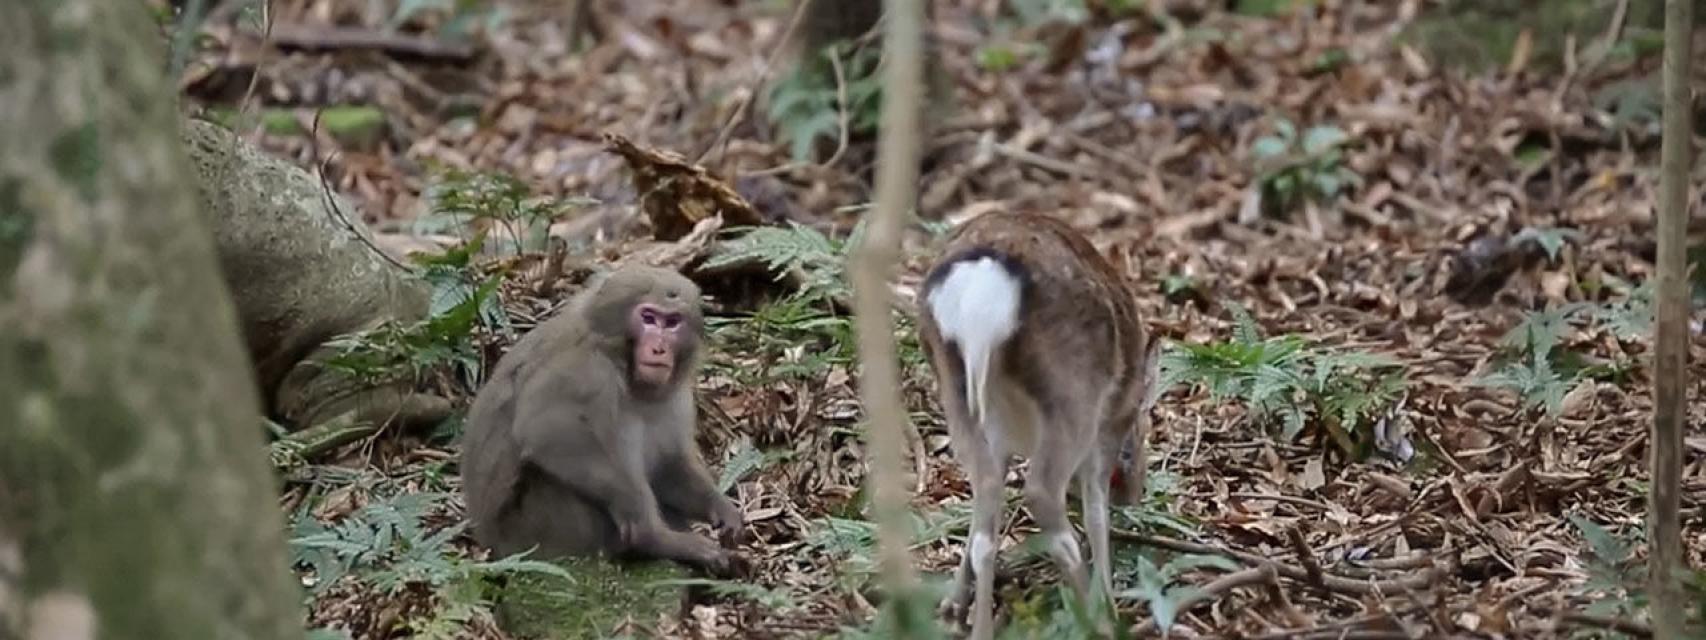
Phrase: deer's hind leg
x=1065 y=430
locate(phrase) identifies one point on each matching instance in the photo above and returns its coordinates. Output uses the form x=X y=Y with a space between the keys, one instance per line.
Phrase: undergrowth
x=805 y=334
x=388 y=546
x=807 y=104
x=1534 y=361
x=1616 y=585
x=462 y=301
x=1294 y=168
x=1289 y=382
x=486 y=200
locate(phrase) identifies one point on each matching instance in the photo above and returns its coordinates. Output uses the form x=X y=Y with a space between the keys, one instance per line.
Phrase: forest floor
x=1489 y=234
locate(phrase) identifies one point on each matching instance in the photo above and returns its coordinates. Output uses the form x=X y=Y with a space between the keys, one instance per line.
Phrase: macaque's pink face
x=658 y=335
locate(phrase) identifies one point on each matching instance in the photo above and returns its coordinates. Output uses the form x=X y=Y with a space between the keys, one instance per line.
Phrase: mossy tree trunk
x=135 y=500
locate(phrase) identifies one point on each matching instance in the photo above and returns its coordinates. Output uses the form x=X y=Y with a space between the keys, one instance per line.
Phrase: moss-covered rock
x=603 y=596
x=303 y=270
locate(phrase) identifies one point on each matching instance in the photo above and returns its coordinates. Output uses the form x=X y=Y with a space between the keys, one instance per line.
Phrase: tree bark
x=1670 y=342
x=135 y=499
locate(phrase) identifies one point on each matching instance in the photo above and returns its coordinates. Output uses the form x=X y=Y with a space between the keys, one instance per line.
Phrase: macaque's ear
x=1151 y=375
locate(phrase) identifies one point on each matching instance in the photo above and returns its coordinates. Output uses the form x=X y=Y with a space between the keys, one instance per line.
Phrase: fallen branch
x=314 y=441
x=1620 y=625
x=1348 y=628
x=319 y=38
x=1228 y=582
x=1334 y=583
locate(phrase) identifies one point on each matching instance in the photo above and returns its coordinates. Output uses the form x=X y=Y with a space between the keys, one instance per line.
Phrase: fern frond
x=1244 y=328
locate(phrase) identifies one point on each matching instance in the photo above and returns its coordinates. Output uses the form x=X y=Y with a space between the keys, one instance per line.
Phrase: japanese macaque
x=582 y=441
x=1038 y=350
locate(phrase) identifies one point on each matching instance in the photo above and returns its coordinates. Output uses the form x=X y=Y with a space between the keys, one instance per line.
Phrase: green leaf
x=997 y=58
x=1166 y=607
x=1550 y=240
x=1322 y=138
x=1184 y=563
x=1268 y=147
x=1327 y=185
x=1606 y=547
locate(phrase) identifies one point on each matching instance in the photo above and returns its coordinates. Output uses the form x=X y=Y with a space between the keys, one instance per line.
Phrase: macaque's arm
x=684 y=485
x=570 y=427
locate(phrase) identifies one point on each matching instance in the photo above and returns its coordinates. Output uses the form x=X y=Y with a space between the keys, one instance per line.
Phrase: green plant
x=1531 y=362
x=806 y=104
x=1152 y=514
x=443 y=341
x=1058 y=613
x=803 y=334
x=911 y=614
x=1550 y=240
x=1269 y=8
x=1036 y=12
x=461 y=16
x=1613 y=573
x=1293 y=168
x=853 y=542
x=746 y=459
x=1286 y=380
x=388 y=546
x=465 y=196
x=779 y=599
x=1152 y=584
x=819 y=260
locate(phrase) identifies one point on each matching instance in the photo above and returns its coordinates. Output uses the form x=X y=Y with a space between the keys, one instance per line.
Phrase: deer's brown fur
x=1070 y=375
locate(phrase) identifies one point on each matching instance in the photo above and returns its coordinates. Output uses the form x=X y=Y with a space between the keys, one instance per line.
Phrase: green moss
x=76 y=157
x=1270 y=8
x=354 y=126
x=281 y=122
x=603 y=595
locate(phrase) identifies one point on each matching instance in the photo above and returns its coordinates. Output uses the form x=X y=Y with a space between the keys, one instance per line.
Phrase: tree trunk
x=1670 y=342
x=135 y=499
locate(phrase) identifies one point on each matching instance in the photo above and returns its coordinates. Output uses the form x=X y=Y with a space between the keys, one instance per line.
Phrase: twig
x=1613 y=33
x=1044 y=162
x=758 y=85
x=1347 y=627
x=1212 y=590
x=331 y=201
x=1300 y=547
x=1280 y=498
x=1619 y=625
x=1338 y=584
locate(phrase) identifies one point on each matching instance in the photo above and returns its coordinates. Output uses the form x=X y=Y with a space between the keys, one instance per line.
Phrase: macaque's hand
x=729 y=522
x=735 y=566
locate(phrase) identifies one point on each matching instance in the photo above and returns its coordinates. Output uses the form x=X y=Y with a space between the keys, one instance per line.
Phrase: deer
x=1038 y=350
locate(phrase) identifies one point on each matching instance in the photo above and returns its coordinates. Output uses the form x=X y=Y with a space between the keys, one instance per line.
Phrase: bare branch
x=896 y=187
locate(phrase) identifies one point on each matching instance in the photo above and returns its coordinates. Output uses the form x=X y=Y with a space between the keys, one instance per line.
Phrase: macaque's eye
x=669 y=321
x=648 y=317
